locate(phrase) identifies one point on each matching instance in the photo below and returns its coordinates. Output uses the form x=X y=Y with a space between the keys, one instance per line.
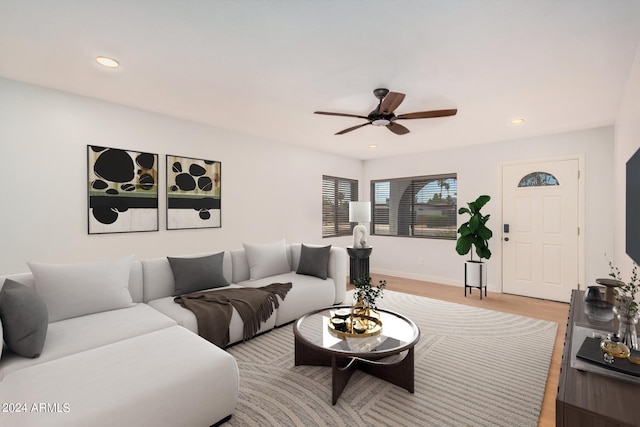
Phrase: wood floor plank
x=530 y=307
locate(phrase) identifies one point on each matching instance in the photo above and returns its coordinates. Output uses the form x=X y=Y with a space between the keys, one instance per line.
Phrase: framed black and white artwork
x=122 y=190
x=193 y=193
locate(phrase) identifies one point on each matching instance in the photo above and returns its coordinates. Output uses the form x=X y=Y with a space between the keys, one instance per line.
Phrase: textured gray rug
x=473 y=367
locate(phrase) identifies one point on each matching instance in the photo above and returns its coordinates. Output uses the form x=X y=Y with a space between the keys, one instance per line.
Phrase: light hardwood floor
x=540 y=309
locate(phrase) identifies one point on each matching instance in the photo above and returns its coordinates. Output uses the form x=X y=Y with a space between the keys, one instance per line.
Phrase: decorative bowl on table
x=339 y=324
x=611 y=284
x=598 y=309
x=342 y=313
x=614 y=349
x=354 y=326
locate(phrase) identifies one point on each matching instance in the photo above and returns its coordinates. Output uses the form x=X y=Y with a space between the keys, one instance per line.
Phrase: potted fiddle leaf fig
x=475 y=234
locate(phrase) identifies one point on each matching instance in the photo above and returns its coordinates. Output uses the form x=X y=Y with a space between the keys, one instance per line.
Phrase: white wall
x=269 y=190
x=265 y=185
x=478 y=169
x=627 y=142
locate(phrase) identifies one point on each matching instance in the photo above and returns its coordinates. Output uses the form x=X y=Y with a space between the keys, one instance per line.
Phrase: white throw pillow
x=72 y=290
x=267 y=259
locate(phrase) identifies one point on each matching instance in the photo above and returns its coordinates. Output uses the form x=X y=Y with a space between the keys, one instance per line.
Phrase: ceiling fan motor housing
x=380 y=93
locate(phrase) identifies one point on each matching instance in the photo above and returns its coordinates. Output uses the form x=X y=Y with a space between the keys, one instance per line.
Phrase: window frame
x=410 y=219
x=340 y=214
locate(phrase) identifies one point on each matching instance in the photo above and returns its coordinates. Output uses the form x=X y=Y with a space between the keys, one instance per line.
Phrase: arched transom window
x=538 y=179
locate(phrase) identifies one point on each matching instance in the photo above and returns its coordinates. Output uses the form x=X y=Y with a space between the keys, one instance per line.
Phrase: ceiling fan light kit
x=380 y=122
x=384 y=114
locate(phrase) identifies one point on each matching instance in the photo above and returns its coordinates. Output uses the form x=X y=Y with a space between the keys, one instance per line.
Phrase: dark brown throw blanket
x=213 y=309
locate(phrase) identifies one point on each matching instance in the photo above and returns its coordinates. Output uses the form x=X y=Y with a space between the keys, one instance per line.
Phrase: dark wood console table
x=587 y=398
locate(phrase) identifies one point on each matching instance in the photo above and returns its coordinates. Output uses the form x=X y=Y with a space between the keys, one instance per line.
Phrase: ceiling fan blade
x=352 y=128
x=391 y=102
x=397 y=129
x=340 y=114
x=428 y=114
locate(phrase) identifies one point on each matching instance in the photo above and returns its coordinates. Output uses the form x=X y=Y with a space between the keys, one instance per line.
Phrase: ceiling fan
x=384 y=115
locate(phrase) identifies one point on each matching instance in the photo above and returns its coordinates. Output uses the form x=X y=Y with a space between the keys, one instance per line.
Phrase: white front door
x=540 y=229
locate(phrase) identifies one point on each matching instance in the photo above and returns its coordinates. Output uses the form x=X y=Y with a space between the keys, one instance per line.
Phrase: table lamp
x=360 y=212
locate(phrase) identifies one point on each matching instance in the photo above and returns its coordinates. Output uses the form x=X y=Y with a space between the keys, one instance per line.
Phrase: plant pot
x=475 y=276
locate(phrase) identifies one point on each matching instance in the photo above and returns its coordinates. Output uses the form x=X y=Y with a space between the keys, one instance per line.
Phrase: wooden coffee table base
x=399 y=373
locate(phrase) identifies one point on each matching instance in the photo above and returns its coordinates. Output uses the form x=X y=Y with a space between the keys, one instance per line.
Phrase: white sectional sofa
x=143 y=364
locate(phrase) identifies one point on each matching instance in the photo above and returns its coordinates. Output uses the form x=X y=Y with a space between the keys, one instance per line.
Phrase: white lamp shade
x=359 y=211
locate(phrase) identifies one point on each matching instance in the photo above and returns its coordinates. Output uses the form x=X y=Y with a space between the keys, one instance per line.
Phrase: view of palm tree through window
x=538 y=179
x=424 y=206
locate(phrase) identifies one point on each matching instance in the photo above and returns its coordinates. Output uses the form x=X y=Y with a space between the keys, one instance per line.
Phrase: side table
x=358 y=262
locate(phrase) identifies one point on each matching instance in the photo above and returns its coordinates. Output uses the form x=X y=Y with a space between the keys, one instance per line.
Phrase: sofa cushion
x=267 y=259
x=170 y=377
x=71 y=336
x=197 y=274
x=72 y=290
x=308 y=293
x=24 y=319
x=314 y=261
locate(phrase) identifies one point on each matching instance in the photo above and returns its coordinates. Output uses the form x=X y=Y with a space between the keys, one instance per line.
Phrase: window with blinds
x=336 y=195
x=423 y=206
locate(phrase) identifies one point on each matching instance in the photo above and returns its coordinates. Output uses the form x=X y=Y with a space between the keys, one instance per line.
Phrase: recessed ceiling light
x=107 y=62
x=517 y=121
x=373 y=146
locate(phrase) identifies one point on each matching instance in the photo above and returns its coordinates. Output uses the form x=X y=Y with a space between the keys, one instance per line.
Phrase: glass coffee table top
x=398 y=333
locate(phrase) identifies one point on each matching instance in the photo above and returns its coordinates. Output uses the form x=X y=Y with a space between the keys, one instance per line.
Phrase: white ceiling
x=262 y=67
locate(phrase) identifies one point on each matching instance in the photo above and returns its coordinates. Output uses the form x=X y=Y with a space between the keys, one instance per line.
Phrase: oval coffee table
x=316 y=345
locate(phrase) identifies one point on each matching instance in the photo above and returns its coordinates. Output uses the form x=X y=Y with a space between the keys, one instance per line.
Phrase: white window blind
x=423 y=206
x=336 y=195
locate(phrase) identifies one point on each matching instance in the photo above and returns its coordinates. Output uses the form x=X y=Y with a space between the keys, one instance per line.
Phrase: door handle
x=506 y=239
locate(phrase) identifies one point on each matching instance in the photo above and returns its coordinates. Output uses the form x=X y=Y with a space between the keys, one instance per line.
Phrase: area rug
x=473 y=367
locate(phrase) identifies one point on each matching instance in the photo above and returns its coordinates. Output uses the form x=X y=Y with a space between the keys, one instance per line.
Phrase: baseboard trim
x=423 y=277
x=427 y=278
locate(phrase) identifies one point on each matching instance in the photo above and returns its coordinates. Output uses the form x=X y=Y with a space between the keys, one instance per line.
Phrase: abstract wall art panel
x=193 y=193
x=123 y=190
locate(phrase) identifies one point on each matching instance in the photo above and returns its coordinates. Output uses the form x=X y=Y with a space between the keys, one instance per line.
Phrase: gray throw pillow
x=197 y=274
x=24 y=319
x=314 y=261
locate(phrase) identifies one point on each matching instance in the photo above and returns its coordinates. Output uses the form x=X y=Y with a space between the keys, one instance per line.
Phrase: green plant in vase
x=627 y=305
x=366 y=293
x=626 y=297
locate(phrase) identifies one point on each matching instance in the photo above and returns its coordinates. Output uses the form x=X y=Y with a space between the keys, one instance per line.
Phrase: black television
x=633 y=207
